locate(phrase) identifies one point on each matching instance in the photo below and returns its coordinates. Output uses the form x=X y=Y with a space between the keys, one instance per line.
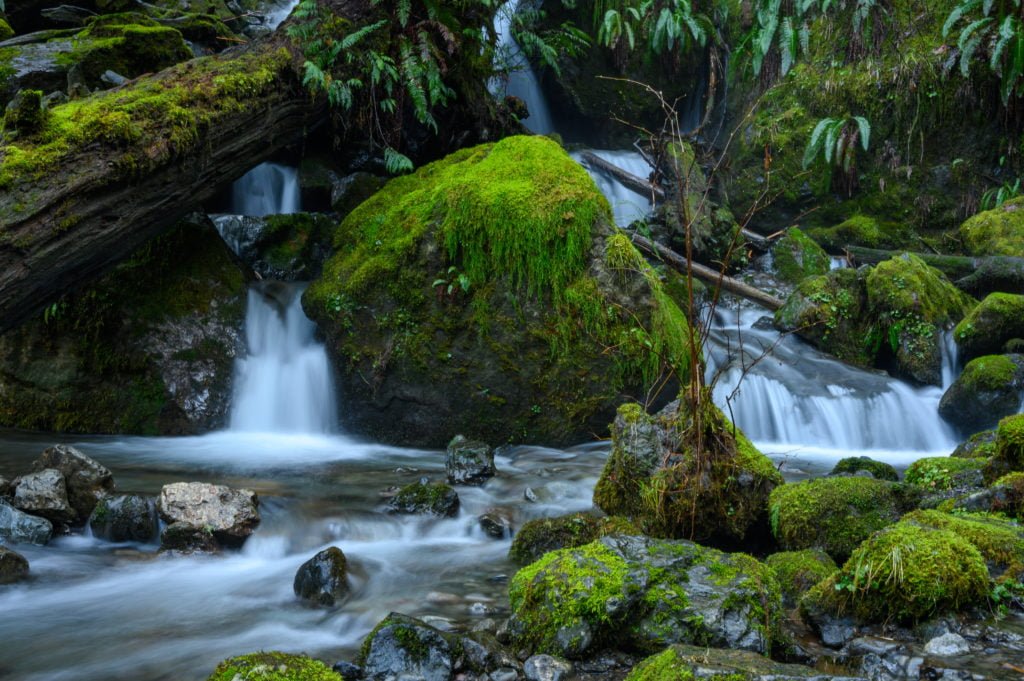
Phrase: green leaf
x=864 y=129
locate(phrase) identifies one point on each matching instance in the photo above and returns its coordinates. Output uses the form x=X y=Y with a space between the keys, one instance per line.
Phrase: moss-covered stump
x=495 y=273
x=988 y=389
x=905 y=573
x=641 y=594
x=943 y=473
x=540 y=536
x=890 y=316
x=148 y=349
x=273 y=666
x=797 y=257
x=996 y=321
x=688 y=663
x=798 y=571
x=999 y=231
x=677 y=476
x=833 y=514
x=879 y=470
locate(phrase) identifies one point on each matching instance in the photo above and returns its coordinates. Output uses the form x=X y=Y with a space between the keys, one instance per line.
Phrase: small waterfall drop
x=278 y=12
x=522 y=80
x=950 y=359
x=267 y=189
x=627 y=205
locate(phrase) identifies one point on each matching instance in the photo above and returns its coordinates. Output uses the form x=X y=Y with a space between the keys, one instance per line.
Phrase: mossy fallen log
x=975 y=275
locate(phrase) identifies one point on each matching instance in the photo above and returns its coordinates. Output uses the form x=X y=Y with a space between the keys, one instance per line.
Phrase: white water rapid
x=267 y=189
x=521 y=79
x=627 y=205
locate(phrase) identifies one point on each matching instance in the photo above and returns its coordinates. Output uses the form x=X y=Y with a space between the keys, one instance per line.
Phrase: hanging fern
x=836 y=140
x=994 y=33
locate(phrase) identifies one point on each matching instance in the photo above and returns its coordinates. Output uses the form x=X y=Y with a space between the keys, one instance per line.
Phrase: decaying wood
x=627 y=179
x=976 y=275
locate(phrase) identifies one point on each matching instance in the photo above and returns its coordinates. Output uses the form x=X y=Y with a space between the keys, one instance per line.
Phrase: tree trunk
x=978 y=276
x=708 y=274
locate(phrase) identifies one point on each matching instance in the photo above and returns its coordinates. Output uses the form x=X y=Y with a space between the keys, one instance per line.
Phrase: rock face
x=643 y=594
x=45 y=494
x=323 y=579
x=469 y=462
x=21 y=528
x=86 y=479
x=424 y=498
x=229 y=515
x=417 y=295
x=13 y=566
x=125 y=518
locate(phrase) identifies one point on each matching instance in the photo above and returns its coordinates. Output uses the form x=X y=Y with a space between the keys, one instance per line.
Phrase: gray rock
x=504 y=674
x=419 y=498
x=546 y=668
x=403 y=646
x=125 y=518
x=87 y=481
x=186 y=538
x=113 y=78
x=348 y=671
x=45 y=494
x=6 y=488
x=22 y=528
x=973 y=406
x=37 y=66
x=323 y=579
x=229 y=515
x=496 y=523
x=469 y=462
x=947 y=645
x=13 y=566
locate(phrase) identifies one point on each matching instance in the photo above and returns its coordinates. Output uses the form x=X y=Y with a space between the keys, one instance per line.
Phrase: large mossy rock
x=988 y=389
x=797 y=257
x=998 y=319
x=1009 y=448
x=798 y=571
x=148 y=349
x=689 y=663
x=642 y=594
x=323 y=579
x=890 y=316
x=1000 y=542
x=999 y=231
x=677 y=476
x=833 y=514
x=495 y=273
x=539 y=536
x=273 y=666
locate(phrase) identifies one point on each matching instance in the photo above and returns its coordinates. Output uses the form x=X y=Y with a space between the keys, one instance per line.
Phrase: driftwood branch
x=707 y=274
x=976 y=275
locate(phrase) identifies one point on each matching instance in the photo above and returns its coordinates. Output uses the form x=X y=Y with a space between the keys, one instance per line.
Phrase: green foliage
x=991 y=31
x=663 y=26
x=273 y=666
x=941 y=472
x=836 y=139
x=545 y=46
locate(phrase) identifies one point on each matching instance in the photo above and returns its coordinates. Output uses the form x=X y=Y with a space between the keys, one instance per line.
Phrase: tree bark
x=975 y=275
x=708 y=274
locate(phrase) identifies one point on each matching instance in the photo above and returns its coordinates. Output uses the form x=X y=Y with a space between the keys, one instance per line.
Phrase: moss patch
x=1000 y=542
x=797 y=257
x=878 y=469
x=273 y=666
x=998 y=319
x=540 y=536
x=999 y=231
x=942 y=472
x=798 y=571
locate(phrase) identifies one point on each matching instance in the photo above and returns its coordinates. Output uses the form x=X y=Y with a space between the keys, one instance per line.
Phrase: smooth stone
x=13 y=566
x=87 y=480
x=469 y=462
x=947 y=645
x=323 y=579
x=231 y=515
x=546 y=668
x=45 y=494
x=21 y=528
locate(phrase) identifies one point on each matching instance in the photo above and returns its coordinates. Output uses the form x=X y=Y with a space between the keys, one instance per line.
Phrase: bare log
x=627 y=179
x=143 y=155
x=708 y=274
x=976 y=275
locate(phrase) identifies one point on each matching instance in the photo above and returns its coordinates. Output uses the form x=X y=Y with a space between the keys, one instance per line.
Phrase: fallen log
x=975 y=275
x=704 y=273
x=627 y=179
x=128 y=163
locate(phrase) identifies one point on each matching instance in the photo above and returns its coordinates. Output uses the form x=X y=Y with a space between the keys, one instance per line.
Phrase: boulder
x=469 y=462
x=947 y=645
x=87 y=480
x=879 y=470
x=946 y=473
x=323 y=579
x=978 y=446
x=230 y=515
x=21 y=528
x=537 y=537
x=424 y=498
x=798 y=571
x=289 y=247
x=715 y=494
x=44 y=494
x=642 y=594
x=125 y=518
x=991 y=326
x=797 y=257
x=497 y=273
x=687 y=662
x=1009 y=448
x=999 y=231
x=13 y=566
x=183 y=537
x=1005 y=496
x=496 y=523
x=273 y=666
x=546 y=668
x=988 y=389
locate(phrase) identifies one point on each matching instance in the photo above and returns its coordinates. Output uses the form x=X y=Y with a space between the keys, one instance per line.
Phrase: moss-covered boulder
x=537 y=537
x=988 y=389
x=273 y=666
x=999 y=231
x=943 y=473
x=148 y=349
x=833 y=514
x=905 y=573
x=688 y=663
x=862 y=230
x=987 y=329
x=978 y=446
x=798 y=571
x=289 y=247
x=677 y=474
x=1005 y=496
x=421 y=498
x=641 y=594
x=496 y=273
x=1000 y=542
x=852 y=465
x=1009 y=448
x=797 y=257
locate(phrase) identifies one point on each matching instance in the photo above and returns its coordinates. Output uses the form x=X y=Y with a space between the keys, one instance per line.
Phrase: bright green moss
x=5 y=30
x=906 y=573
x=273 y=666
x=878 y=469
x=942 y=472
x=1010 y=441
x=620 y=254
x=128 y=44
x=996 y=320
x=687 y=662
x=990 y=372
x=999 y=231
x=798 y=571
x=798 y=257
x=831 y=514
x=1000 y=542
x=861 y=230
x=540 y=536
x=978 y=446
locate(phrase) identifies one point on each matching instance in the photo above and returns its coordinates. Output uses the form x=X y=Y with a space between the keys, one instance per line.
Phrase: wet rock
x=323 y=579
x=988 y=389
x=288 y=247
x=546 y=668
x=947 y=645
x=496 y=523
x=6 y=488
x=126 y=517
x=469 y=462
x=187 y=538
x=430 y=499
x=87 y=481
x=403 y=646
x=45 y=494
x=13 y=566
x=700 y=662
x=113 y=78
x=349 y=191
x=539 y=536
x=38 y=66
x=21 y=528
x=230 y=515
x=348 y=671
x=891 y=667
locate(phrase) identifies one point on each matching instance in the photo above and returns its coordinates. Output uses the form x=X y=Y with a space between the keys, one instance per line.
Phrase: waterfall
x=267 y=189
x=522 y=80
x=278 y=12
x=950 y=359
x=627 y=205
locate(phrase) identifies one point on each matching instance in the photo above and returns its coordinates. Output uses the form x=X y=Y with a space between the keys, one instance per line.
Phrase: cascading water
x=522 y=80
x=278 y=12
x=267 y=189
x=627 y=205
